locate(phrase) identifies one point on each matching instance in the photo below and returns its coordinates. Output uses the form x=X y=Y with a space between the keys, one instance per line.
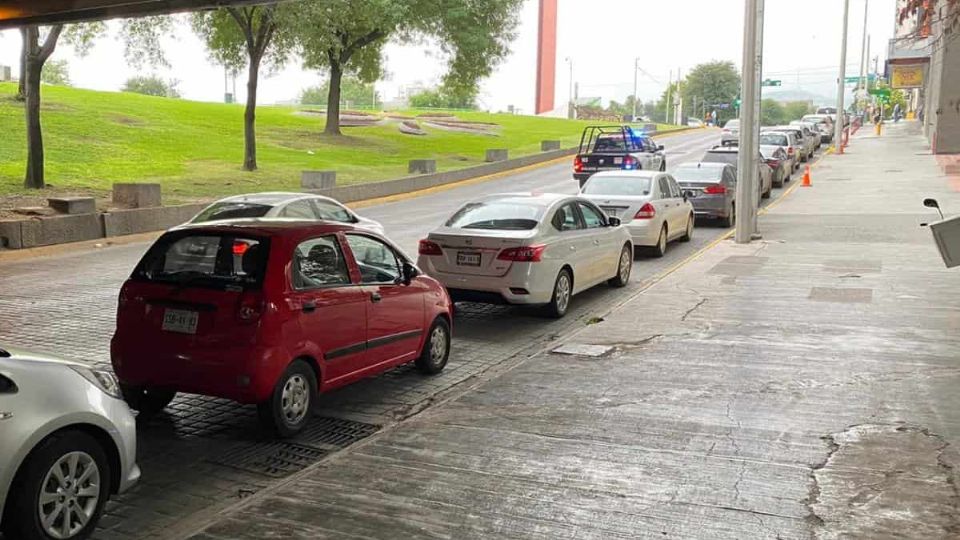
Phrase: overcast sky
x=602 y=37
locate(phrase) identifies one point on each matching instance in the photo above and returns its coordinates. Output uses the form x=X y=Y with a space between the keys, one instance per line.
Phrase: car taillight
x=630 y=162
x=726 y=130
x=790 y=150
x=250 y=307
x=239 y=247
x=428 y=247
x=647 y=211
x=578 y=164
x=715 y=189
x=522 y=254
x=773 y=163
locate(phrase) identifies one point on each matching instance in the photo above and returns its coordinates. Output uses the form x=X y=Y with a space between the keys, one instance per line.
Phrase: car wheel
x=624 y=267
x=288 y=409
x=60 y=490
x=766 y=194
x=731 y=218
x=660 y=249
x=436 y=348
x=562 y=291
x=147 y=401
x=688 y=234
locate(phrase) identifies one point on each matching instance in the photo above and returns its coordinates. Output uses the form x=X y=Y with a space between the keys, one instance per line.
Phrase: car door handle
x=375 y=297
x=309 y=306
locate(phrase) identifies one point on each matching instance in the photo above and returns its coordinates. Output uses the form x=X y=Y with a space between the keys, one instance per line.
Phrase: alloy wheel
x=295 y=399
x=626 y=262
x=438 y=345
x=69 y=495
x=563 y=293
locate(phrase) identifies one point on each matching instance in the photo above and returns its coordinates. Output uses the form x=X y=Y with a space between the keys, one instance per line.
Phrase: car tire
x=766 y=194
x=87 y=491
x=624 y=268
x=562 y=293
x=289 y=406
x=688 y=233
x=731 y=218
x=660 y=249
x=436 y=348
x=145 y=400
x=663 y=165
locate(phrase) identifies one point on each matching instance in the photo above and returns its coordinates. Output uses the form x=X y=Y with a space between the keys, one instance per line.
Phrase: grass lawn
x=195 y=149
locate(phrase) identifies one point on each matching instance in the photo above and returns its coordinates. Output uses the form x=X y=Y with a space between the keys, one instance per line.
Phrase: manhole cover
x=274 y=459
x=843 y=296
x=583 y=349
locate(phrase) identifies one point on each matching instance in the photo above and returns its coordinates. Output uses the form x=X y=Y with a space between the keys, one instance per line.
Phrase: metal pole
x=863 y=48
x=636 y=70
x=755 y=149
x=666 y=111
x=679 y=116
x=570 y=91
x=746 y=172
x=838 y=135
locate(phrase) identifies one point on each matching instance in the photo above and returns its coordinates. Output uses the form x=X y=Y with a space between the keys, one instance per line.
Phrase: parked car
x=824 y=124
x=731 y=132
x=650 y=204
x=282 y=205
x=533 y=249
x=616 y=148
x=695 y=123
x=791 y=147
x=810 y=132
x=730 y=155
x=67 y=443
x=805 y=147
x=711 y=188
x=271 y=312
x=776 y=158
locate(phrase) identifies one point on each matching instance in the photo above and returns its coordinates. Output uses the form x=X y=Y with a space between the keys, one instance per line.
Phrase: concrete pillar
x=546 y=56
x=318 y=179
x=73 y=205
x=136 y=195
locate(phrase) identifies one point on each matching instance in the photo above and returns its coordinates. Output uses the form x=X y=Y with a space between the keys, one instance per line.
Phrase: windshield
x=232 y=210
x=687 y=174
x=617 y=185
x=503 y=215
x=205 y=259
x=775 y=139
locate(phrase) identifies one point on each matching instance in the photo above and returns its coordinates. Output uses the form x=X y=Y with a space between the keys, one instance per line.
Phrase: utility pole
x=636 y=71
x=755 y=149
x=678 y=117
x=570 y=101
x=863 y=48
x=746 y=160
x=666 y=111
x=838 y=135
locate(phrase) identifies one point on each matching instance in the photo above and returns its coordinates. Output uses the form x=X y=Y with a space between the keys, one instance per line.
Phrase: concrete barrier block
x=136 y=195
x=73 y=205
x=141 y=220
x=547 y=146
x=318 y=179
x=10 y=234
x=497 y=154
x=60 y=230
x=422 y=166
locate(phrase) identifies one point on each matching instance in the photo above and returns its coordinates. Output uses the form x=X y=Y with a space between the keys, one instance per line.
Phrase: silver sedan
x=67 y=442
x=283 y=205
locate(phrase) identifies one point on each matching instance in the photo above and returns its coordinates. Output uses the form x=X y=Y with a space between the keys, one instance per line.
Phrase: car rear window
x=721 y=157
x=232 y=210
x=774 y=138
x=505 y=215
x=617 y=185
x=695 y=174
x=617 y=143
x=205 y=259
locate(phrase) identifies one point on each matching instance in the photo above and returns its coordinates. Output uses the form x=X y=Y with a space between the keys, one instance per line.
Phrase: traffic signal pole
x=746 y=158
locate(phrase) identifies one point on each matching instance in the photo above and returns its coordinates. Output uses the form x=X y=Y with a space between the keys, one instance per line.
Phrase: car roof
x=724 y=150
x=628 y=173
x=270 y=226
x=536 y=197
x=702 y=165
x=271 y=198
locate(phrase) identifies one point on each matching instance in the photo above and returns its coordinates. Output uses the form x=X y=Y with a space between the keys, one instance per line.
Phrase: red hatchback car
x=271 y=313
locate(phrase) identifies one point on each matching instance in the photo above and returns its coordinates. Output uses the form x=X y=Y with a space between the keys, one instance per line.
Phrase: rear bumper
x=644 y=232
x=710 y=207
x=524 y=283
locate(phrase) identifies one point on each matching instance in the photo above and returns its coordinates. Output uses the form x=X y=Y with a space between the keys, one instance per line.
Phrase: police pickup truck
x=604 y=148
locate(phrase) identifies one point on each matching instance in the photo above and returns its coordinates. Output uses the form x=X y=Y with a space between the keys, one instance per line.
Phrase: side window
x=319 y=262
x=729 y=176
x=592 y=217
x=566 y=219
x=675 y=189
x=665 y=188
x=377 y=261
x=331 y=212
x=299 y=210
x=651 y=146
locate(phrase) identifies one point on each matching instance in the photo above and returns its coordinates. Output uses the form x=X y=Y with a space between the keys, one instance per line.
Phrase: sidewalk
x=806 y=384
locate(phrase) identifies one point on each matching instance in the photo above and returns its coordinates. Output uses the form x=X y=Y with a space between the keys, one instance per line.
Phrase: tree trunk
x=250 y=116
x=22 y=83
x=34 y=178
x=333 y=100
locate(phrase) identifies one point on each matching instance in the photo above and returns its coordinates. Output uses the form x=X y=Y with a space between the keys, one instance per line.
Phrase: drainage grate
x=334 y=433
x=274 y=459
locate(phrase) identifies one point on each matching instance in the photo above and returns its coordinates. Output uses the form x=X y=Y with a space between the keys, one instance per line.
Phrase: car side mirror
x=660 y=147
x=687 y=194
x=409 y=272
x=931 y=203
x=614 y=221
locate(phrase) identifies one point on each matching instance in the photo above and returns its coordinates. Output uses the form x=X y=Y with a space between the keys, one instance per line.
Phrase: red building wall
x=547 y=56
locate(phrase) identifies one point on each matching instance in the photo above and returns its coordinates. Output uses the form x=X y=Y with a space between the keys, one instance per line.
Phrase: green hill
x=195 y=149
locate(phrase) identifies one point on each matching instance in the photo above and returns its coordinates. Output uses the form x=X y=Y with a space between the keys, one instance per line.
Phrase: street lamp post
x=863 y=48
x=636 y=70
x=570 y=104
x=838 y=134
x=746 y=158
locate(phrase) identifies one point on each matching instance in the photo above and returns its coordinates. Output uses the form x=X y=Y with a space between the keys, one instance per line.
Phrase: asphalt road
x=205 y=453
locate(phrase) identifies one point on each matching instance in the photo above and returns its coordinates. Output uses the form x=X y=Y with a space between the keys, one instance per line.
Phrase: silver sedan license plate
x=180 y=320
x=468 y=258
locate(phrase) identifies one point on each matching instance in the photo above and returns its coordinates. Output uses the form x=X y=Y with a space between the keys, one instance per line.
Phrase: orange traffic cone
x=806 y=177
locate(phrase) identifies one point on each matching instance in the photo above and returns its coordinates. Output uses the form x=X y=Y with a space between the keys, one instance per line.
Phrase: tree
x=795 y=110
x=248 y=35
x=353 y=91
x=56 y=72
x=347 y=36
x=151 y=85
x=713 y=83
x=772 y=113
x=37 y=49
x=443 y=98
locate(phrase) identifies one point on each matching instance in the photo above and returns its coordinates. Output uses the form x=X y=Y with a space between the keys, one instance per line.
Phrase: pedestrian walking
x=896 y=112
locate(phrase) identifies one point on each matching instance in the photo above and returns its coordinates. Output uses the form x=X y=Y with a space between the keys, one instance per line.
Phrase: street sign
x=771 y=82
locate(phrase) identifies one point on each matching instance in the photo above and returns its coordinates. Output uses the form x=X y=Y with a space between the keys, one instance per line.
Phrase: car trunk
x=474 y=251
x=622 y=207
x=697 y=188
x=603 y=160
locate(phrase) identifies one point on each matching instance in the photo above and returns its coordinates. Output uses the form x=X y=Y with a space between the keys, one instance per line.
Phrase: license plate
x=180 y=320
x=466 y=258
x=618 y=161
x=612 y=212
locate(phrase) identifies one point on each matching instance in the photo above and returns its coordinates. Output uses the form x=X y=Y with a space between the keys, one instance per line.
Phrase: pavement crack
x=694 y=308
x=813 y=496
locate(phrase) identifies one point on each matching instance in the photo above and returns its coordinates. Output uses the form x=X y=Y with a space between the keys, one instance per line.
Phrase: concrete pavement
x=801 y=386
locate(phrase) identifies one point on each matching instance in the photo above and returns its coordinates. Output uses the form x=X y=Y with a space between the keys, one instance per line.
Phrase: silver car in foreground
x=281 y=205
x=650 y=204
x=67 y=442
x=534 y=249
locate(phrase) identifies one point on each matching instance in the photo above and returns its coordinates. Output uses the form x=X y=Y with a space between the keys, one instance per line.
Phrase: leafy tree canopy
x=152 y=85
x=353 y=91
x=56 y=72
